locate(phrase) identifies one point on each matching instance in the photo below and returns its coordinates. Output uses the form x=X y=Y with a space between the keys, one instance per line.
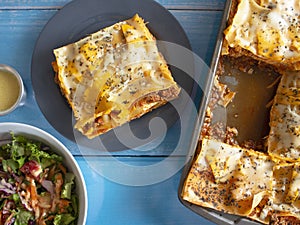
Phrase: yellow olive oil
x=9 y=90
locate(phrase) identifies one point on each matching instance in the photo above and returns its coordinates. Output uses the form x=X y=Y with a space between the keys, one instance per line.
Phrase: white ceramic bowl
x=37 y=134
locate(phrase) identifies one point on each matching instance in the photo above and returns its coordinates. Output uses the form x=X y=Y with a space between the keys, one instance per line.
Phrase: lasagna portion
x=113 y=76
x=267 y=30
x=243 y=182
x=284 y=137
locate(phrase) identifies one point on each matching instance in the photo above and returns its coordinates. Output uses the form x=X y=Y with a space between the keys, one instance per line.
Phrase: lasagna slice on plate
x=113 y=76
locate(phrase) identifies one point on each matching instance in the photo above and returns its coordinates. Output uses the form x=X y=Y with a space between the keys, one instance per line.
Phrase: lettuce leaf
x=63 y=219
x=67 y=187
x=22 y=149
x=22 y=217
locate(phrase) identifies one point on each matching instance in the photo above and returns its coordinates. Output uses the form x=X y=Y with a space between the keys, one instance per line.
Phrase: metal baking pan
x=259 y=123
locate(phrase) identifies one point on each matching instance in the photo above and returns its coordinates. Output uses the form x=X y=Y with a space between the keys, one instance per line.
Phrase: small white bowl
x=37 y=134
x=21 y=94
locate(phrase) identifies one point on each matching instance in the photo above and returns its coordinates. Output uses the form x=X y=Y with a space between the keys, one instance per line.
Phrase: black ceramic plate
x=75 y=21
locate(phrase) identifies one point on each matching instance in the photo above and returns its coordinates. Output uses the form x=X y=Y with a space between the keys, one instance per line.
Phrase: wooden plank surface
x=118 y=204
x=169 y=4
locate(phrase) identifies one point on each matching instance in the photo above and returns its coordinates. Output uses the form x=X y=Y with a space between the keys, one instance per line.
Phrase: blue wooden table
x=112 y=201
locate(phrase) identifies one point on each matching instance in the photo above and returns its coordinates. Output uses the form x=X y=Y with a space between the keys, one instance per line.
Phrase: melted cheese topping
x=222 y=163
x=267 y=28
x=106 y=76
x=255 y=174
x=243 y=182
x=284 y=141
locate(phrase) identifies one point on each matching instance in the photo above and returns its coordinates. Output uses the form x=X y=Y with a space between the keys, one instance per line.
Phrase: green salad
x=35 y=187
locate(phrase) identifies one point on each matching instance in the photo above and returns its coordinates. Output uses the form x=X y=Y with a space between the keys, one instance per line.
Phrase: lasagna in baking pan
x=232 y=171
x=244 y=182
x=267 y=30
x=257 y=179
x=284 y=137
x=113 y=76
